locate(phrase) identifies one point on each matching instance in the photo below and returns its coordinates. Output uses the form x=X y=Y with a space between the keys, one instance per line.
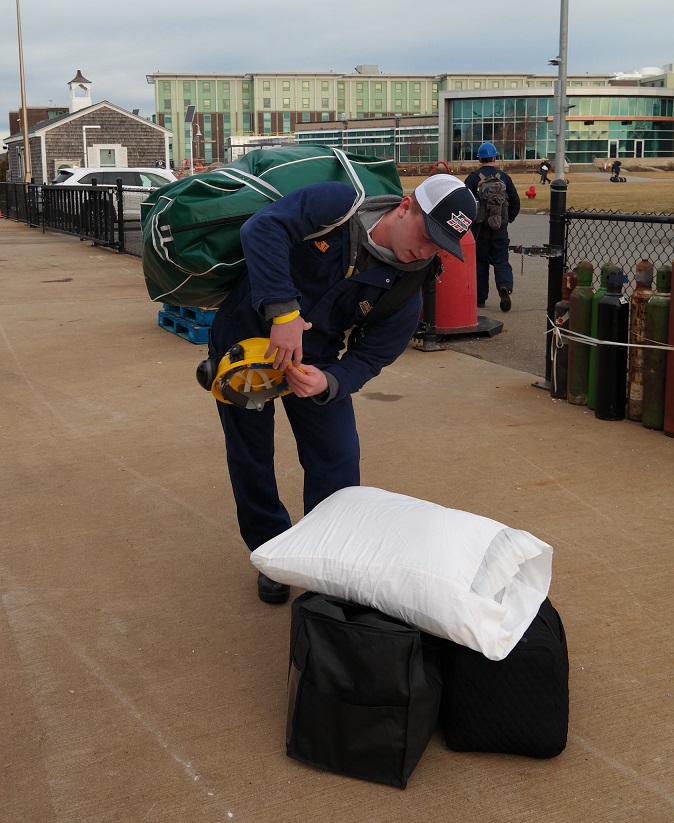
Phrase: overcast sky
x=116 y=45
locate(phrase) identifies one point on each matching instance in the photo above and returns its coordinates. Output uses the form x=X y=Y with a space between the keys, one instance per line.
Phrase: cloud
x=117 y=46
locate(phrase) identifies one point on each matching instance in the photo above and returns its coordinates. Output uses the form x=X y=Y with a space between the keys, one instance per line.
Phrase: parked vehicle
x=97 y=208
x=107 y=176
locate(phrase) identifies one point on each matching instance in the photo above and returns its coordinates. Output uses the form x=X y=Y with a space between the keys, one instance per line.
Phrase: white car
x=137 y=184
x=107 y=176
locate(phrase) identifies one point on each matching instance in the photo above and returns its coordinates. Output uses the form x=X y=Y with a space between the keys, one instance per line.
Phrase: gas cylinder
x=592 y=369
x=656 y=330
x=643 y=291
x=559 y=351
x=669 y=379
x=580 y=320
x=613 y=320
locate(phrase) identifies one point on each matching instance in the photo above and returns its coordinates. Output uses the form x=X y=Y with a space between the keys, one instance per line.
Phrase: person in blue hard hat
x=305 y=294
x=498 y=205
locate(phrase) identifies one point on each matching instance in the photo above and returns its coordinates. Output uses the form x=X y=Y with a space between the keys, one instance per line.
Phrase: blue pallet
x=184 y=328
x=204 y=317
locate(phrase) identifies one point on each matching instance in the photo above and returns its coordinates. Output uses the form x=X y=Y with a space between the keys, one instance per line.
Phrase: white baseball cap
x=449 y=209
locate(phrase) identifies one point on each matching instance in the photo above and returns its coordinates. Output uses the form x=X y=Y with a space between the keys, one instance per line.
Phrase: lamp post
x=560 y=92
x=24 y=113
x=396 y=141
x=84 y=142
x=557 y=190
x=194 y=147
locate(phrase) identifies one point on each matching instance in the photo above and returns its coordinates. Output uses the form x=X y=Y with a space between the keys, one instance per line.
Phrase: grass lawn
x=643 y=193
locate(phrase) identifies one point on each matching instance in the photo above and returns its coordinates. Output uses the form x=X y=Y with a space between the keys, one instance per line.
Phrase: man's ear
x=404 y=206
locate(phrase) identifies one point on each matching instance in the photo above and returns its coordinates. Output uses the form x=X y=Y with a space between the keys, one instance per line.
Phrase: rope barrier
x=558 y=333
x=558 y=342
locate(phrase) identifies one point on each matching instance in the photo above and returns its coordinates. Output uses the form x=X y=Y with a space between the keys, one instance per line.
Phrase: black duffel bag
x=364 y=690
x=518 y=705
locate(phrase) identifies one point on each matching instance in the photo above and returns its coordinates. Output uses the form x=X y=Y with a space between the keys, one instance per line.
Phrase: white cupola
x=80 y=92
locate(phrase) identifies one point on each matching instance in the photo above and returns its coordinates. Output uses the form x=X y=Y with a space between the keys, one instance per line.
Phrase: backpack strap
x=401 y=292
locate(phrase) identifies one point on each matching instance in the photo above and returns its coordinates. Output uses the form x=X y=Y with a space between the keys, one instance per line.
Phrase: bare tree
x=519 y=135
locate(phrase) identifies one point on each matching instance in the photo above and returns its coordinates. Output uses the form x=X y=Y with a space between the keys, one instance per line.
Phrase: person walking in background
x=543 y=170
x=498 y=205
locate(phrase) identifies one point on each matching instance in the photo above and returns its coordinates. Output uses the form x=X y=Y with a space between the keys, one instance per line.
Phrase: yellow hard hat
x=244 y=376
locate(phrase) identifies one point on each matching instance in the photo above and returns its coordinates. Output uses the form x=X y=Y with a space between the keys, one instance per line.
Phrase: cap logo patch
x=459 y=222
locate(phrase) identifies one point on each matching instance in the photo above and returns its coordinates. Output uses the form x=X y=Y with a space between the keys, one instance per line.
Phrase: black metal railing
x=85 y=212
x=107 y=215
x=20 y=201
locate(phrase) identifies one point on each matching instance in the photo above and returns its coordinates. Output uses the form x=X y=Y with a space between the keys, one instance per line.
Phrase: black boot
x=269 y=591
x=504 y=294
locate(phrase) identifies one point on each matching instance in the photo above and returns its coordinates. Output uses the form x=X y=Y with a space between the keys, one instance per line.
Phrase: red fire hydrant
x=531 y=192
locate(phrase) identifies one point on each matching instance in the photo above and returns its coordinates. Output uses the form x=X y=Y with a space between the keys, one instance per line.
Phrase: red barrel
x=456 y=292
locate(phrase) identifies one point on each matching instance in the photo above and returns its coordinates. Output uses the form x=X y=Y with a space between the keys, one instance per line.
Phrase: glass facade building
x=632 y=122
x=514 y=111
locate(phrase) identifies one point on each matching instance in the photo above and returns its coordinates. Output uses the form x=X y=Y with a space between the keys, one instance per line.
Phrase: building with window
x=628 y=122
x=421 y=118
x=86 y=134
x=227 y=106
x=33 y=116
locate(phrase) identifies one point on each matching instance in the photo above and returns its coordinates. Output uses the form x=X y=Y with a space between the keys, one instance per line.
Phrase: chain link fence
x=599 y=238
x=133 y=234
x=617 y=238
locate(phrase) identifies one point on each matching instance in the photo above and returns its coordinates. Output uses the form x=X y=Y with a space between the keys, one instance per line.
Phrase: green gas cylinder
x=580 y=320
x=656 y=330
x=592 y=370
x=669 y=379
x=643 y=291
x=559 y=346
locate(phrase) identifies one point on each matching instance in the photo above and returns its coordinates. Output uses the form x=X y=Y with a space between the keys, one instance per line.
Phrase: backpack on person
x=492 y=201
x=192 y=251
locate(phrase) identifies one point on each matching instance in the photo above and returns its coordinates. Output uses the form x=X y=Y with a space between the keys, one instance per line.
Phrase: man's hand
x=286 y=339
x=307 y=381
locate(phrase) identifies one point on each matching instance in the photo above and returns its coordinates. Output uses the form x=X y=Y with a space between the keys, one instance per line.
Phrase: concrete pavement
x=143 y=681
x=521 y=344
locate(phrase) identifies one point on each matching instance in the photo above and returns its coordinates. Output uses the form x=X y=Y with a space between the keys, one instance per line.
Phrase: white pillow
x=450 y=573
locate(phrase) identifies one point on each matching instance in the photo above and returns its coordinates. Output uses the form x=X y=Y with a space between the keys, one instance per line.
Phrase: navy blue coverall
x=491 y=246
x=283 y=266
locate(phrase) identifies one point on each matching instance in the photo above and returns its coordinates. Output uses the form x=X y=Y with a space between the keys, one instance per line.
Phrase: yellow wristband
x=285 y=318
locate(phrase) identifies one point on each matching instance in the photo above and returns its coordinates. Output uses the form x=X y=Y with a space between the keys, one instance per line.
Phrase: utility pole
x=557 y=191
x=24 y=113
x=560 y=92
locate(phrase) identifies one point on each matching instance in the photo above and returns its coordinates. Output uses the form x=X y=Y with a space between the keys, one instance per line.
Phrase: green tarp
x=191 y=248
